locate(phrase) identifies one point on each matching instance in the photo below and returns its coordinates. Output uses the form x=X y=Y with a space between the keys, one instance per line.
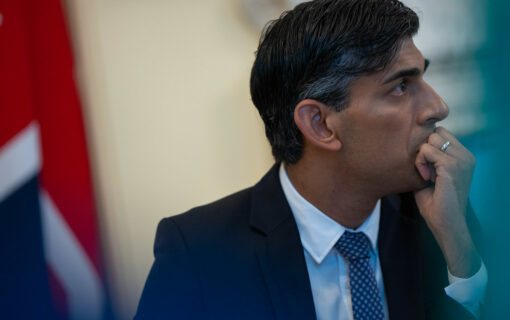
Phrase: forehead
x=408 y=57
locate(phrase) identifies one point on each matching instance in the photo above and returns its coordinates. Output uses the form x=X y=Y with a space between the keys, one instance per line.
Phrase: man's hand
x=443 y=204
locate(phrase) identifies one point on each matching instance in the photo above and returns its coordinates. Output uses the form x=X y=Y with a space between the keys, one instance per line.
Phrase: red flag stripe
x=65 y=173
x=15 y=85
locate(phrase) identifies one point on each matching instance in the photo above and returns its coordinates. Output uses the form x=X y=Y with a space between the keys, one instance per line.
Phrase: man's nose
x=433 y=107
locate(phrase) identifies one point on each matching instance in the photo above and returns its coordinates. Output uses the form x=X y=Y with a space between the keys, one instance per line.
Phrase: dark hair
x=316 y=51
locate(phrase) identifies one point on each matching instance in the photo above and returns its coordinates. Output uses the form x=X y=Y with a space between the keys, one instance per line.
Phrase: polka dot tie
x=366 y=301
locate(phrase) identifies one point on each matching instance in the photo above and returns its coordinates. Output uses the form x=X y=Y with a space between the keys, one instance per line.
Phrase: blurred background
x=117 y=113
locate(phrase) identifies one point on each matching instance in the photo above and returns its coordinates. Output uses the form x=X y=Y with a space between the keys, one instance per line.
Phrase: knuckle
x=434 y=137
x=472 y=159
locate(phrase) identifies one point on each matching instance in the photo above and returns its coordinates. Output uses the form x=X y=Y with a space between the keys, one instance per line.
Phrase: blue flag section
x=24 y=284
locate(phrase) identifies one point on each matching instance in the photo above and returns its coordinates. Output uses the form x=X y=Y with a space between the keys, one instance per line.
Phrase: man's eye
x=401 y=88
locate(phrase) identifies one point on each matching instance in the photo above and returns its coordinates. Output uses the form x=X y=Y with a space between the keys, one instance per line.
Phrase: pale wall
x=165 y=92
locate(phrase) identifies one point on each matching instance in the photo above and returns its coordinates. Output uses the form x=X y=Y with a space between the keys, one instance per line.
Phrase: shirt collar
x=317 y=231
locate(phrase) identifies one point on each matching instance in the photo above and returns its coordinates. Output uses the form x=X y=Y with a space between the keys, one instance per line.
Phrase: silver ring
x=445 y=146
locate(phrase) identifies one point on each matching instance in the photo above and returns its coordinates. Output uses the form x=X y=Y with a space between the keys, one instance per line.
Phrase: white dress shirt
x=328 y=270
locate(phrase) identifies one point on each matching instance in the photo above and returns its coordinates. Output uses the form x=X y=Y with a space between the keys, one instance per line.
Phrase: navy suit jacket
x=241 y=258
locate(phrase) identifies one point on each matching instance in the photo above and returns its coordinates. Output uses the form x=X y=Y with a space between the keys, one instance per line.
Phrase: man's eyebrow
x=412 y=72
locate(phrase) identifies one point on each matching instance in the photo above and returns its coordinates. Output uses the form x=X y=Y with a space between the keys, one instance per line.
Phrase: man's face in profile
x=391 y=114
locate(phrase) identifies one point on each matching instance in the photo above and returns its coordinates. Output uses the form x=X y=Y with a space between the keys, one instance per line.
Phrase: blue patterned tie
x=366 y=301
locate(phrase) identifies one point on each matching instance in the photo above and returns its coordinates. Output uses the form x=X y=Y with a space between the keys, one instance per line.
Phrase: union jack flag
x=50 y=257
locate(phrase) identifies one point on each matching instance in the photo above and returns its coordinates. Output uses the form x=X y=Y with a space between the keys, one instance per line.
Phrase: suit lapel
x=280 y=254
x=279 y=251
x=400 y=257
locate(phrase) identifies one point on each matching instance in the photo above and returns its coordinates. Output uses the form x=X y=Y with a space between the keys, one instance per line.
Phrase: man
x=364 y=216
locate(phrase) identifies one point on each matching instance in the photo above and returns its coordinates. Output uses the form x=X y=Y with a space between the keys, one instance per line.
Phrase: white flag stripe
x=20 y=160
x=70 y=263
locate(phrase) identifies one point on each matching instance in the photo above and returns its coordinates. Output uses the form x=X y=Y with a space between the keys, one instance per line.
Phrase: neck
x=334 y=192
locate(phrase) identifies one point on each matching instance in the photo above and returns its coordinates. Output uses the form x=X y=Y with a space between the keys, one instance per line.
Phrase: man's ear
x=314 y=120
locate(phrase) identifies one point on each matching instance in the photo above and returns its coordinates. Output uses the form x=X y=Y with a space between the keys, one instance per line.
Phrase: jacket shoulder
x=184 y=244
x=213 y=220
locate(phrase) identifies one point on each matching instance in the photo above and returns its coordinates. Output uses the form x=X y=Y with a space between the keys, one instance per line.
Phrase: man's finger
x=447 y=135
x=455 y=149
x=438 y=141
x=430 y=155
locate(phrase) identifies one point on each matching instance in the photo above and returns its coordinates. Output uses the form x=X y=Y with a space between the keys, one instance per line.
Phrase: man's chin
x=414 y=183
x=419 y=183
x=424 y=184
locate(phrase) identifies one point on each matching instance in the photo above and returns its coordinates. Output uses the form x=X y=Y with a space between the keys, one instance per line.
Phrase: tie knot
x=353 y=245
